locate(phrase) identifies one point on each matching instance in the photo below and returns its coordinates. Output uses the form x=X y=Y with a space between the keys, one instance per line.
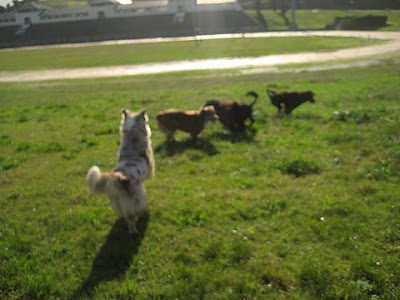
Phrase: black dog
x=290 y=100
x=233 y=114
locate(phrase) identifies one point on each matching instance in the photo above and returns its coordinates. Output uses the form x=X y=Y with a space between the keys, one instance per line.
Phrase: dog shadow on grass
x=236 y=137
x=176 y=147
x=114 y=257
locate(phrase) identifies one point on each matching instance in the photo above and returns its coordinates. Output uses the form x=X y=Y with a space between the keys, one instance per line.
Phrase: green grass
x=299 y=208
x=92 y=56
x=317 y=20
x=64 y=3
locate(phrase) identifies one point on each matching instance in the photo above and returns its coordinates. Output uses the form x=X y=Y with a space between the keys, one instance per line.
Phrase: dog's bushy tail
x=97 y=182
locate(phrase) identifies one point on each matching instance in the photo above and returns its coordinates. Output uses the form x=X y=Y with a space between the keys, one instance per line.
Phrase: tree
x=260 y=16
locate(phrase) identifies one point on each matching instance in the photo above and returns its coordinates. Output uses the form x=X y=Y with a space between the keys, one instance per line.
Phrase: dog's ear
x=143 y=115
x=124 y=111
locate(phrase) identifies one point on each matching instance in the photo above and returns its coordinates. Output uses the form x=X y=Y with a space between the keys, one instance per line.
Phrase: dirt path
x=391 y=46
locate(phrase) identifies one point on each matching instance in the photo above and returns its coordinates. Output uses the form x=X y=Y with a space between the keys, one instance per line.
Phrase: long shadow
x=297 y=116
x=114 y=257
x=237 y=137
x=177 y=147
x=307 y=116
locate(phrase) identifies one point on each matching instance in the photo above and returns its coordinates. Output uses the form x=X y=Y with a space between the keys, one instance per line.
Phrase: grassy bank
x=92 y=56
x=299 y=208
x=318 y=19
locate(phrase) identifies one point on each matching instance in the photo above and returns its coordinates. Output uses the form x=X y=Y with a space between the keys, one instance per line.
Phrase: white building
x=30 y=13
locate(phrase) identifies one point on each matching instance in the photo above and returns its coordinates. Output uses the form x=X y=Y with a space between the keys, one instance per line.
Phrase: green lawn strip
x=318 y=19
x=227 y=217
x=94 y=56
x=373 y=60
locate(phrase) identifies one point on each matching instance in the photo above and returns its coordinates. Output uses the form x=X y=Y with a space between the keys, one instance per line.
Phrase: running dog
x=191 y=121
x=290 y=100
x=233 y=114
x=124 y=185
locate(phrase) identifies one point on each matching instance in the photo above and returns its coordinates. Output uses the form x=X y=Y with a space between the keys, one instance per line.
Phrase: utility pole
x=293 y=25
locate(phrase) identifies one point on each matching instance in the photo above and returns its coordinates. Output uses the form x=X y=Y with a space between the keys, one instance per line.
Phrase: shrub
x=359 y=23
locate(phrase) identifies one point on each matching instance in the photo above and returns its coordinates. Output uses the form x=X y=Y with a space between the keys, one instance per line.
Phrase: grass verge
x=92 y=56
x=318 y=19
x=302 y=207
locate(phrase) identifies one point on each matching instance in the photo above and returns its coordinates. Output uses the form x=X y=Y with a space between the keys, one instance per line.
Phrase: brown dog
x=290 y=100
x=233 y=114
x=191 y=121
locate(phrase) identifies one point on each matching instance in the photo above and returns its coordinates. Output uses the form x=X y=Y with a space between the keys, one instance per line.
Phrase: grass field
x=318 y=19
x=91 y=56
x=298 y=208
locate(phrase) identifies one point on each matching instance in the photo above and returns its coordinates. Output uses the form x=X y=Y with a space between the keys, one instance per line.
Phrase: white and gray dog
x=124 y=185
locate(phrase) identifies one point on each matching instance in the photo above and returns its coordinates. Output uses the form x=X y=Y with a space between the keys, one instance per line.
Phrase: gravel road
x=392 y=45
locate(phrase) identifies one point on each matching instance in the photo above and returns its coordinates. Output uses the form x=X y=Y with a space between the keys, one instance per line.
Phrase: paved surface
x=391 y=46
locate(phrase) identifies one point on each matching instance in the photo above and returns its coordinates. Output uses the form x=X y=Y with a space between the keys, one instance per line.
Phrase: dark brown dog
x=191 y=121
x=233 y=114
x=290 y=100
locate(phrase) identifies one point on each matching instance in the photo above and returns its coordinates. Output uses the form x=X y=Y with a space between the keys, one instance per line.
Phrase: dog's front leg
x=251 y=121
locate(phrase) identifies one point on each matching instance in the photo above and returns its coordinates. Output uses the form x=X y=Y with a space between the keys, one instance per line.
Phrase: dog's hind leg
x=194 y=135
x=288 y=110
x=240 y=126
x=132 y=220
x=136 y=206
x=169 y=133
x=116 y=206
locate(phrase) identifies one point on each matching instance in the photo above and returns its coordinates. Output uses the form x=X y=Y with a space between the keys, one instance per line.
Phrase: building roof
x=30 y=6
x=144 y=4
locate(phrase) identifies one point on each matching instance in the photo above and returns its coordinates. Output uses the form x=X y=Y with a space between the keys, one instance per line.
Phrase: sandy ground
x=261 y=63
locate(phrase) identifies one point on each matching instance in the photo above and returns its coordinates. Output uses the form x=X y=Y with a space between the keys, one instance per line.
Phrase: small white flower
x=322 y=219
x=245 y=238
x=234 y=231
